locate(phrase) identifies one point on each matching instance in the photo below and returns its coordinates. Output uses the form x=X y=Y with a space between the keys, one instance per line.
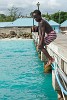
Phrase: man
x=46 y=35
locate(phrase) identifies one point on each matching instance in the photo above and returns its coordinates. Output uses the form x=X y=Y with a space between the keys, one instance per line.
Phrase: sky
x=25 y=7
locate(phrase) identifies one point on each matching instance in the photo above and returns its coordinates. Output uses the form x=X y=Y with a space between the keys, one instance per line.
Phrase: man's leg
x=50 y=59
x=46 y=53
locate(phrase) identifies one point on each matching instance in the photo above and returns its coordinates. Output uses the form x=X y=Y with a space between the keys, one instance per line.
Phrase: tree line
x=58 y=17
x=14 y=13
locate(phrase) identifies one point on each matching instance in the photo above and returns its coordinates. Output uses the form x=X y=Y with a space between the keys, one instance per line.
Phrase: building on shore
x=20 y=25
x=63 y=27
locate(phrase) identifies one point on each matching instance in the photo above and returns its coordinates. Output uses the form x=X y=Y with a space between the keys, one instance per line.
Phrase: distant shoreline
x=13 y=35
x=15 y=39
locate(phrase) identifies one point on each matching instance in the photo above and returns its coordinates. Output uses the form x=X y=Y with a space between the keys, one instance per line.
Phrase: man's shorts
x=50 y=37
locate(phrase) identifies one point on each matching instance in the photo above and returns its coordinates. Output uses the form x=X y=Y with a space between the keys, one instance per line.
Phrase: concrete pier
x=58 y=50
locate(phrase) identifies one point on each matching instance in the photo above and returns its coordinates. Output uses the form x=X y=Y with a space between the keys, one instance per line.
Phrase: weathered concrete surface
x=59 y=47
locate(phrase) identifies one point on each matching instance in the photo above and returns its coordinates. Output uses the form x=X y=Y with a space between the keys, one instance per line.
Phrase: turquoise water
x=21 y=73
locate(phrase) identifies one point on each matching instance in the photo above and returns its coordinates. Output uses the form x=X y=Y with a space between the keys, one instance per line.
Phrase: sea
x=22 y=74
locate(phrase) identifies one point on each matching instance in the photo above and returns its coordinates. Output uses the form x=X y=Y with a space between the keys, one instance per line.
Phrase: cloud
x=53 y=4
x=28 y=6
x=1 y=12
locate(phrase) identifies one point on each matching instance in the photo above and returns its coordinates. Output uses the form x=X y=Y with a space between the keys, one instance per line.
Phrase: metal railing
x=61 y=78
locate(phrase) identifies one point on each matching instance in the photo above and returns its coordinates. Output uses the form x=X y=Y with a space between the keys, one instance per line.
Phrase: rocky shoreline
x=12 y=34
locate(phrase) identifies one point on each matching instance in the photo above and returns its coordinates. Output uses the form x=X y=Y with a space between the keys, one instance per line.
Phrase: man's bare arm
x=42 y=33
